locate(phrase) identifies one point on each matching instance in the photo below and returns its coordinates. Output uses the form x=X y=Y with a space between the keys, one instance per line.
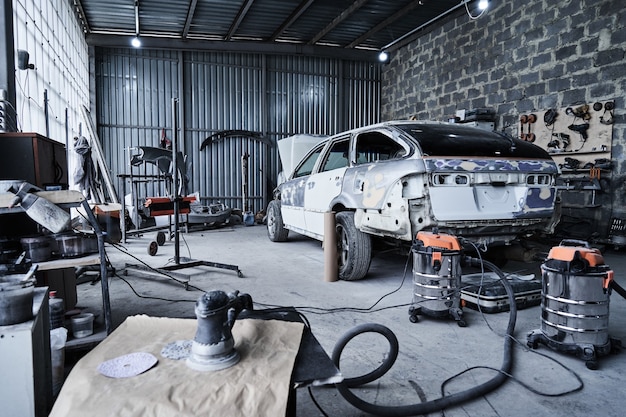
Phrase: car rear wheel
x=275 y=228
x=354 y=248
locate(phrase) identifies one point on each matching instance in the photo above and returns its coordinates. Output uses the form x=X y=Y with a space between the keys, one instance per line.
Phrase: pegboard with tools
x=577 y=137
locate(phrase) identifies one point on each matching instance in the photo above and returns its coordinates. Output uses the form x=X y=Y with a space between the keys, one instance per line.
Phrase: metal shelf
x=72 y=199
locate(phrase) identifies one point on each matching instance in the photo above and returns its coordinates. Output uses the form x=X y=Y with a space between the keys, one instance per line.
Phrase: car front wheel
x=275 y=228
x=354 y=248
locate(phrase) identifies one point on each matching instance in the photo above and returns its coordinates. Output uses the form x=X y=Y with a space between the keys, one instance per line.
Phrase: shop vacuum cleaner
x=576 y=286
x=436 y=277
x=437 y=260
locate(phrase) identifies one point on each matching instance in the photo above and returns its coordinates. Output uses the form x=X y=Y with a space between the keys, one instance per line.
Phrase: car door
x=325 y=185
x=292 y=191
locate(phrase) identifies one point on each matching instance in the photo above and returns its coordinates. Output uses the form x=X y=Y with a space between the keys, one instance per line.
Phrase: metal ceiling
x=336 y=27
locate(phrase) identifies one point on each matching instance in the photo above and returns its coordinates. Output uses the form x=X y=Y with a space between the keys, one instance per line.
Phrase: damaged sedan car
x=390 y=180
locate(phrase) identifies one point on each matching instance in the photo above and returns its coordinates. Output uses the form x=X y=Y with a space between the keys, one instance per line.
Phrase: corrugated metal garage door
x=274 y=95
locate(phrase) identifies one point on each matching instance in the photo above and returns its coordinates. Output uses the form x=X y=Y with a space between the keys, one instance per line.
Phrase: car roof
x=457 y=139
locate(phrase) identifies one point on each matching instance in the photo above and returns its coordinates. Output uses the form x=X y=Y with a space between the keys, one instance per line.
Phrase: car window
x=376 y=146
x=306 y=167
x=337 y=156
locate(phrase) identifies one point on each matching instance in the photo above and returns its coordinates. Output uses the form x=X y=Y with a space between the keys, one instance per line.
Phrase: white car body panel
x=321 y=190
x=494 y=197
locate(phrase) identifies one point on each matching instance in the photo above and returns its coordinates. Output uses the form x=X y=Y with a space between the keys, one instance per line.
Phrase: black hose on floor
x=439 y=403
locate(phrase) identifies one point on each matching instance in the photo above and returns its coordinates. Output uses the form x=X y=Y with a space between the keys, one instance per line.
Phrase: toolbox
x=486 y=290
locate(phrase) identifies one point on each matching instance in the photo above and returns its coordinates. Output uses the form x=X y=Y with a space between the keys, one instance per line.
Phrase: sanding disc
x=128 y=365
x=177 y=350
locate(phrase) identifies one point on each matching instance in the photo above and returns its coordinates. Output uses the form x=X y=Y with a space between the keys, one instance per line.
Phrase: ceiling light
x=383 y=56
x=136 y=42
x=483 y=4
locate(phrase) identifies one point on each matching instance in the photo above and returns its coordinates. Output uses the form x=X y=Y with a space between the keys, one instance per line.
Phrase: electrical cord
x=156 y=271
x=525 y=348
x=444 y=401
x=503 y=373
x=151 y=297
x=378 y=372
x=454 y=399
x=370 y=309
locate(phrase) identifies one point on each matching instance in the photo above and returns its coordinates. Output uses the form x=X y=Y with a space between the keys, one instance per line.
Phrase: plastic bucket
x=82 y=325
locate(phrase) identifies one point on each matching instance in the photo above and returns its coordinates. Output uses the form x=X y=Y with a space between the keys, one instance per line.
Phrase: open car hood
x=293 y=148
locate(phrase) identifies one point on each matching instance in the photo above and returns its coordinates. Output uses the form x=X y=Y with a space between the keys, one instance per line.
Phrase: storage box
x=491 y=296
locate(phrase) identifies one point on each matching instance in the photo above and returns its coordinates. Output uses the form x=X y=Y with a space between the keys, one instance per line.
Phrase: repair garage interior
x=119 y=118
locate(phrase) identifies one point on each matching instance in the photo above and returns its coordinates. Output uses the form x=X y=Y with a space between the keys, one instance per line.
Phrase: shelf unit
x=72 y=199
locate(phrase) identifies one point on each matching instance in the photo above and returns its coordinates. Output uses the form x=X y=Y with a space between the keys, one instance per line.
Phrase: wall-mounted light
x=136 y=42
x=383 y=56
x=22 y=60
x=483 y=4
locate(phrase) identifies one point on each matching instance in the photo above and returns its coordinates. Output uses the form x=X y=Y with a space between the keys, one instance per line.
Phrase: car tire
x=354 y=248
x=275 y=228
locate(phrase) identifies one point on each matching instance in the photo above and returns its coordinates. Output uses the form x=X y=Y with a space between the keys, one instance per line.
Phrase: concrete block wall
x=518 y=57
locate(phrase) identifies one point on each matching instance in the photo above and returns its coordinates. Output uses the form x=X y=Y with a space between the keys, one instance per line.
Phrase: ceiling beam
x=292 y=18
x=385 y=22
x=281 y=48
x=242 y=13
x=340 y=18
x=80 y=12
x=190 y=13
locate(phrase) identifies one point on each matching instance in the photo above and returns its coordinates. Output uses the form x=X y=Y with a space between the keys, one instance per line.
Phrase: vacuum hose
x=618 y=289
x=439 y=403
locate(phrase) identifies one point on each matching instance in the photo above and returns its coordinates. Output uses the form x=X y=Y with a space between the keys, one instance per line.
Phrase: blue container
x=248 y=218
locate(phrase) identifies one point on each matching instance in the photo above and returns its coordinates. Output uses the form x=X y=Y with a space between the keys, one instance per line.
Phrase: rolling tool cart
x=436 y=277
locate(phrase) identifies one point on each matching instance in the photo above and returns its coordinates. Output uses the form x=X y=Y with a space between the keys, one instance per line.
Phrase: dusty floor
x=432 y=351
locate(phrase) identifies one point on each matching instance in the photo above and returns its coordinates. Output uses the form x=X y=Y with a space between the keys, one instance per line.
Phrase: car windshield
x=306 y=166
x=457 y=140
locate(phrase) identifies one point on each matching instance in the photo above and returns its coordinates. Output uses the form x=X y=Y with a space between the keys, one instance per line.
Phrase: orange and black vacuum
x=576 y=288
x=436 y=277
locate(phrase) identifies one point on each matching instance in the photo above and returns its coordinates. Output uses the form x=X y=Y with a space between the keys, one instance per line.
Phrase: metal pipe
x=175 y=178
x=45 y=112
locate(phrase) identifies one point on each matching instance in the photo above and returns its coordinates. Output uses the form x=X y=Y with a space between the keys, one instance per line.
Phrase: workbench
x=277 y=356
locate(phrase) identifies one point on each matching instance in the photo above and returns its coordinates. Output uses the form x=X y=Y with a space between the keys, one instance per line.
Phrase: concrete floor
x=431 y=351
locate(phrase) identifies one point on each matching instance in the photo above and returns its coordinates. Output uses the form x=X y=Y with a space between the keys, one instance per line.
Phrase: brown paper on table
x=257 y=386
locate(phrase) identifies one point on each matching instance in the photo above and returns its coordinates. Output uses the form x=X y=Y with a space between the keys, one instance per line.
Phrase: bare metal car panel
x=454 y=177
x=494 y=185
x=366 y=186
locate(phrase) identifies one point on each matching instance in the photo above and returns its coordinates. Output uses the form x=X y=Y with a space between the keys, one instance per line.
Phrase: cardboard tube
x=330 y=248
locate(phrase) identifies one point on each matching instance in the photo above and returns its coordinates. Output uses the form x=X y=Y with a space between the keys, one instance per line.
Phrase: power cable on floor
x=319 y=310
x=484 y=318
x=156 y=271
